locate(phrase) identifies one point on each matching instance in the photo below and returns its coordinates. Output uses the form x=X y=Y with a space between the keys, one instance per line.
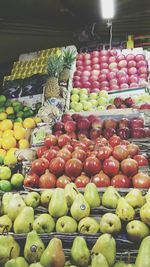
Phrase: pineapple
x=54 y=67
x=68 y=58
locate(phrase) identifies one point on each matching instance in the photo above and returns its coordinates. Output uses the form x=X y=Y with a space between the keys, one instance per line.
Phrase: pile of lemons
x=14 y=136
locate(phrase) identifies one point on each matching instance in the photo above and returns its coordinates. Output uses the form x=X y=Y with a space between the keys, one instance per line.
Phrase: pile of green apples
x=18 y=212
x=9 y=181
x=82 y=100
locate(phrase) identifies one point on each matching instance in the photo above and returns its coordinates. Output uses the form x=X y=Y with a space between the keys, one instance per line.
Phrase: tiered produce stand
x=74 y=174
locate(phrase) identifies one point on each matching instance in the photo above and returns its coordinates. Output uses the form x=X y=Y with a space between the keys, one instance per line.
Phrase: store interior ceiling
x=32 y=25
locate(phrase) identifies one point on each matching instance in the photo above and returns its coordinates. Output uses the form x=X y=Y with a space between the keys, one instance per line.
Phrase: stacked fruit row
x=110 y=70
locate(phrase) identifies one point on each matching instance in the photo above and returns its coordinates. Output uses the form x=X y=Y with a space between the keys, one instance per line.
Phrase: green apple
x=17 y=180
x=137 y=230
x=87 y=106
x=94 y=102
x=103 y=93
x=78 y=107
x=75 y=91
x=66 y=224
x=5 y=173
x=75 y=98
x=93 y=96
x=110 y=223
x=102 y=101
x=83 y=91
x=73 y=104
x=83 y=97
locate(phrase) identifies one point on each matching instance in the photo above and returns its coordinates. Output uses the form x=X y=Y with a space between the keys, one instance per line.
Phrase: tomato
x=47 y=180
x=31 y=180
x=141 y=180
x=121 y=181
x=120 y=152
x=73 y=167
x=62 y=181
x=101 y=179
x=92 y=166
x=141 y=160
x=133 y=149
x=129 y=167
x=64 y=154
x=41 y=150
x=50 y=154
x=63 y=140
x=111 y=166
x=50 y=140
x=114 y=140
x=82 y=180
x=79 y=154
x=104 y=152
x=39 y=166
x=57 y=166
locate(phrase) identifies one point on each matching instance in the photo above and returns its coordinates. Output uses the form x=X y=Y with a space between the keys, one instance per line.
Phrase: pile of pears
x=22 y=213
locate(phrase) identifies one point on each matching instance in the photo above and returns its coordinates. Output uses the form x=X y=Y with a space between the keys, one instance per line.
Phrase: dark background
x=31 y=25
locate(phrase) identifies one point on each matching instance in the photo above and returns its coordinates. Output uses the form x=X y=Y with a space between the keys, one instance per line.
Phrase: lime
x=27 y=109
x=11 y=117
x=5 y=173
x=18 y=120
x=5 y=186
x=28 y=113
x=18 y=108
x=20 y=114
x=8 y=103
x=1 y=160
x=16 y=103
x=2 y=100
x=17 y=180
x=2 y=109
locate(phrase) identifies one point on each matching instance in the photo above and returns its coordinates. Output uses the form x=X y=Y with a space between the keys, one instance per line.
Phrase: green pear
x=34 y=247
x=110 y=223
x=15 y=206
x=70 y=193
x=137 y=230
x=80 y=253
x=5 y=201
x=5 y=224
x=38 y=264
x=58 y=204
x=32 y=199
x=18 y=262
x=24 y=221
x=44 y=223
x=9 y=249
x=110 y=198
x=66 y=224
x=80 y=208
x=135 y=198
x=88 y=226
x=145 y=213
x=124 y=211
x=53 y=254
x=99 y=260
x=120 y=264
x=91 y=195
x=102 y=244
x=46 y=196
x=147 y=196
x=143 y=258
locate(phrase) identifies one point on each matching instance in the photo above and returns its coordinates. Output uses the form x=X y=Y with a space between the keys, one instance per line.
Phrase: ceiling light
x=107 y=8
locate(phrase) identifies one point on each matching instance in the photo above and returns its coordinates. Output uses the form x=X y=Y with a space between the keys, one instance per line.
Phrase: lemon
x=1 y=133
x=3 y=116
x=37 y=119
x=17 y=125
x=11 y=151
x=8 y=143
x=10 y=160
x=20 y=133
x=8 y=133
x=9 y=110
x=23 y=143
x=6 y=125
x=2 y=153
x=29 y=123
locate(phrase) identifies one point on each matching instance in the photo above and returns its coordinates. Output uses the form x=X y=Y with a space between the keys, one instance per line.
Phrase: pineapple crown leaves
x=54 y=65
x=69 y=57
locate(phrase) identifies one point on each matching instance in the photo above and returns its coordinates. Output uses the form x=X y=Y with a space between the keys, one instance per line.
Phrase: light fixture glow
x=107 y=9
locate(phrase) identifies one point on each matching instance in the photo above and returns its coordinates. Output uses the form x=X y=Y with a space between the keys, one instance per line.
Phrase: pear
x=24 y=221
x=99 y=260
x=53 y=254
x=110 y=198
x=145 y=213
x=102 y=244
x=143 y=258
x=88 y=226
x=66 y=224
x=32 y=199
x=147 y=196
x=110 y=223
x=44 y=223
x=135 y=198
x=79 y=252
x=5 y=224
x=5 y=201
x=80 y=208
x=46 y=196
x=124 y=211
x=15 y=206
x=137 y=230
x=91 y=195
x=34 y=247
x=58 y=204
x=9 y=249
x=18 y=262
x=120 y=264
x=70 y=193
x=38 y=264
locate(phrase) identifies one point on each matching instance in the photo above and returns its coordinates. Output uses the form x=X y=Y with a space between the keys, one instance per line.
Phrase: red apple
x=118 y=101
x=50 y=154
x=129 y=102
x=138 y=133
x=124 y=122
x=141 y=180
x=110 y=123
x=47 y=180
x=83 y=124
x=137 y=123
x=111 y=106
x=72 y=135
x=129 y=167
x=58 y=126
x=50 y=140
x=111 y=166
x=77 y=117
x=95 y=133
x=120 y=181
x=70 y=126
x=141 y=160
x=101 y=179
x=92 y=166
x=58 y=133
x=64 y=154
x=92 y=118
x=57 y=166
x=133 y=149
x=69 y=147
x=31 y=180
x=124 y=133
x=73 y=167
x=63 y=140
x=81 y=181
x=62 y=181
x=40 y=151
x=66 y=117
x=120 y=152
x=109 y=132
x=39 y=166
x=104 y=152
x=114 y=141
x=79 y=154
x=97 y=123
x=83 y=133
